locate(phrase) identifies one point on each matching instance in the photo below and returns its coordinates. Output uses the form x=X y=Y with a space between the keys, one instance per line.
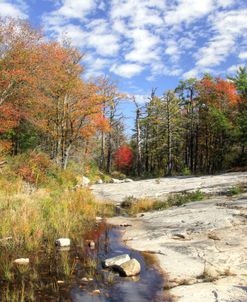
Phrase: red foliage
x=218 y=92
x=34 y=167
x=123 y=158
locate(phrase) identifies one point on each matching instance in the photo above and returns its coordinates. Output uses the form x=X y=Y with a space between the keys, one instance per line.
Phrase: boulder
x=99 y=182
x=63 y=242
x=98 y=219
x=128 y=180
x=22 y=261
x=116 y=181
x=116 y=261
x=130 y=268
x=91 y=244
x=85 y=181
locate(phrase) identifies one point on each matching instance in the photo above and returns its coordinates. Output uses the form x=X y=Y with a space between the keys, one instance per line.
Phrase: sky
x=145 y=44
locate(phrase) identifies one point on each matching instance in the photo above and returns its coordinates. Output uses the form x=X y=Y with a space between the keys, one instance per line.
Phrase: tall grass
x=134 y=206
x=38 y=204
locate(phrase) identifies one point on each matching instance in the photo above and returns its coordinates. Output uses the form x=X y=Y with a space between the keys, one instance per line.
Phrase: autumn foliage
x=41 y=84
x=123 y=158
x=217 y=92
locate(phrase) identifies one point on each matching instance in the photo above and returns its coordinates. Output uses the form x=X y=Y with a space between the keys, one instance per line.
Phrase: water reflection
x=145 y=288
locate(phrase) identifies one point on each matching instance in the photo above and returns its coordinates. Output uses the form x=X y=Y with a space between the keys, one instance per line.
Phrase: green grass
x=134 y=206
x=235 y=190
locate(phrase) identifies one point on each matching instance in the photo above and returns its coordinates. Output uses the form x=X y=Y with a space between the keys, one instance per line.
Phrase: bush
x=134 y=206
x=235 y=190
x=118 y=175
x=186 y=171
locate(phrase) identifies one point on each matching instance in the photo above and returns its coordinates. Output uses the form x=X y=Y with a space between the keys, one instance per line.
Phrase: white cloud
x=77 y=9
x=227 y=27
x=234 y=68
x=127 y=70
x=145 y=46
x=215 y=51
x=188 y=11
x=193 y=73
x=158 y=36
x=17 y=10
x=243 y=55
x=141 y=98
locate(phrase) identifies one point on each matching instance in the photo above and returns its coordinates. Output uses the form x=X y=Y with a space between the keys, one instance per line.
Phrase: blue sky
x=145 y=44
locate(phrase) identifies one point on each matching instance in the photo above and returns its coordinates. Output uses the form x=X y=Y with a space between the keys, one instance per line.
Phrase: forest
x=48 y=108
x=61 y=131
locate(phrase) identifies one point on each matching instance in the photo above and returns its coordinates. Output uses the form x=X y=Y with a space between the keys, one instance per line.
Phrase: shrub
x=118 y=175
x=186 y=171
x=235 y=190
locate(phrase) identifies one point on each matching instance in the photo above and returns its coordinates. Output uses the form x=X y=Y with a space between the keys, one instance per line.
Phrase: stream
x=75 y=274
x=146 y=287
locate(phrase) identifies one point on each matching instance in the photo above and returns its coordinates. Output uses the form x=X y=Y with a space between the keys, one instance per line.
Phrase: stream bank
x=76 y=274
x=201 y=246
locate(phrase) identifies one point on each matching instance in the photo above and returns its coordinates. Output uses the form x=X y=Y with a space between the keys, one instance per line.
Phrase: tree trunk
x=138 y=143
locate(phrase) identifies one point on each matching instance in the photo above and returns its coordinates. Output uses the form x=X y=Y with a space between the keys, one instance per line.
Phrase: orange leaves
x=9 y=117
x=217 y=92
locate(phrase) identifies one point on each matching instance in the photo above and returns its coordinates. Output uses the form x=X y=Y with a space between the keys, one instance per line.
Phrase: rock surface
x=22 y=261
x=130 y=268
x=116 y=261
x=160 y=188
x=63 y=242
x=85 y=181
x=201 y=246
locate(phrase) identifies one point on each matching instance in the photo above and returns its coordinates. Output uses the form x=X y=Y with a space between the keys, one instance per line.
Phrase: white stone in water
x=130 y=268
x=62 y=242
x=116 y=261
x=22 y=261
x=98 y=219
x=91 y=244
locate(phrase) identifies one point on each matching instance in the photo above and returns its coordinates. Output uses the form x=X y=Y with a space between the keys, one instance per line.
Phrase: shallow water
x=58 y=275
x=146 y=287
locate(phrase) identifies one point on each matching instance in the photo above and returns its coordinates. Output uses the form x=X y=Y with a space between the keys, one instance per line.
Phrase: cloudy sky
x=145 y=43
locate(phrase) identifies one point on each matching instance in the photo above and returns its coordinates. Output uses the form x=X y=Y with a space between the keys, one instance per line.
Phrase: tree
x=240 y=80
x=218 y=100
x=187 y=91
x=171 y=124
x=41 y=84
x=138 y=138
x=123 y=158
x=111 y=140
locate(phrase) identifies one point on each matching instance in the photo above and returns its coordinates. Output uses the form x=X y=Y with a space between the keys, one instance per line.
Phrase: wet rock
x=116 y=261
x=96 y=292
x=85 y=279
x=63 y=242
x=91 y=244
x=129 y=268
x=125 y=224
x=98 y=219
x=22 y=261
